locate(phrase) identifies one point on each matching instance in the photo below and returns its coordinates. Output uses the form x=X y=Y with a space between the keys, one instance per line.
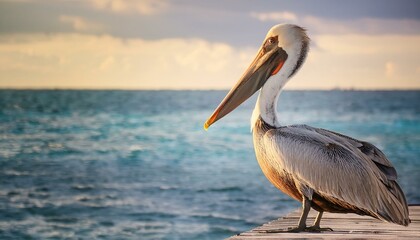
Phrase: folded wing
x=355 y=173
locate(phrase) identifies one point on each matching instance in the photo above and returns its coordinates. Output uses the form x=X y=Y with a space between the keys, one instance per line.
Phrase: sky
x=197 y=44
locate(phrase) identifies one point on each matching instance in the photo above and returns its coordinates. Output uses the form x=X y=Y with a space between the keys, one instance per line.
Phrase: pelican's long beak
x=264 y=65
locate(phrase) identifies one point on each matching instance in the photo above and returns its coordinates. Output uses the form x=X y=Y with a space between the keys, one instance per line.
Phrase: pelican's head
x=282 y=53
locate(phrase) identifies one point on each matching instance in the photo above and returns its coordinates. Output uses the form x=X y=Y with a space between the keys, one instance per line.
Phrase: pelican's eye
x=271 y=40
x=270 y=43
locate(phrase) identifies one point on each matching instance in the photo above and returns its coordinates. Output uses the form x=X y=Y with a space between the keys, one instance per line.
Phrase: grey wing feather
x=368 y=149
x=341 y=167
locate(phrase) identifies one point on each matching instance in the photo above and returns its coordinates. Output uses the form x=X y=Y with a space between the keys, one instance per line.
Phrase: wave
x=221 y=189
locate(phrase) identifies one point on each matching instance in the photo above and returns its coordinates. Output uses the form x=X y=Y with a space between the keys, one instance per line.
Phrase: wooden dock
x=345 y=226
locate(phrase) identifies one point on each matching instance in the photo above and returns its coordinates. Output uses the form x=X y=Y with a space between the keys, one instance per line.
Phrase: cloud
x=90 y=61
x=390 y=69
x=81 y=24
x=362 y=26
x=274 y=16
x=144 y=7
x=319 y=25
x=107 y=63
x=361 y=61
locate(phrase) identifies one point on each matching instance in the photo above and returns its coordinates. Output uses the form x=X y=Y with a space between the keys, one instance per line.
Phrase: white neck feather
x=266 y=106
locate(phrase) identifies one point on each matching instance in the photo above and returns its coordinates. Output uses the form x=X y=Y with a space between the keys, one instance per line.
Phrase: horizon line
x=195 y=89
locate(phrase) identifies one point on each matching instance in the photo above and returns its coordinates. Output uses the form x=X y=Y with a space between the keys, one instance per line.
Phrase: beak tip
x=206 y=126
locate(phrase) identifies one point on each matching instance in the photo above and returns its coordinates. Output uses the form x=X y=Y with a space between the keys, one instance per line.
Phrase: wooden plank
x=346 y=226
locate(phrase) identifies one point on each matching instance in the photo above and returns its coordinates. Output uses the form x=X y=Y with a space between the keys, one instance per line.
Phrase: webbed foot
x=318 y=229
x=314 y=229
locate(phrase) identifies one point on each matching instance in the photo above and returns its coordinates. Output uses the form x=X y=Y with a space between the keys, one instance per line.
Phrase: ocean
x=138 y=164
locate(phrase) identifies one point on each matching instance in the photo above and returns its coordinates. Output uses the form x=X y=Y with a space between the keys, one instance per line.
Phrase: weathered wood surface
x=345 y=226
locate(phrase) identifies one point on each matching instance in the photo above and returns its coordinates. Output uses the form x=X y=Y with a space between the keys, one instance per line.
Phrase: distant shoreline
x=202 y=90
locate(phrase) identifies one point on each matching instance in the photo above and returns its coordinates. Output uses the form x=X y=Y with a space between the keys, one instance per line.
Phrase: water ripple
x=137 y=164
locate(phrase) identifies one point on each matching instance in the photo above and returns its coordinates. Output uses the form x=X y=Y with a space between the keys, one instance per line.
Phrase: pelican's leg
x=318 y=219
x=306 y=206
x=316 y=227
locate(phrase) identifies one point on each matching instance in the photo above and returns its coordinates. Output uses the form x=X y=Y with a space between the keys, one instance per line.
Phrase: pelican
x=325 y=170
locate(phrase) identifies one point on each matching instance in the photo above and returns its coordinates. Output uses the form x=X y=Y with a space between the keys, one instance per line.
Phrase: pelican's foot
x=314 y=229
x=318 y=229
x=288 y=230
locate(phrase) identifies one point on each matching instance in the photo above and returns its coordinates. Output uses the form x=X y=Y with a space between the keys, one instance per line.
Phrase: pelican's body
x=336 y=173
x=323 y=169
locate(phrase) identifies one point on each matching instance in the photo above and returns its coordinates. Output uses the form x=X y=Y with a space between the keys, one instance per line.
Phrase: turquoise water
x=138 y=164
